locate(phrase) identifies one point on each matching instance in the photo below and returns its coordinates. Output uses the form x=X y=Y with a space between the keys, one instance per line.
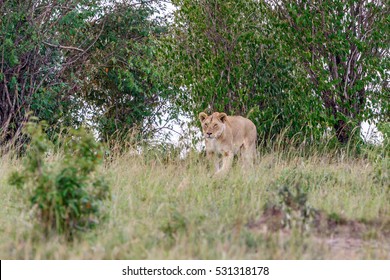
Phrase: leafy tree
x=123 y=85
x=70 y=60
x=222 y=56
x=40 y=41
x=343 y=47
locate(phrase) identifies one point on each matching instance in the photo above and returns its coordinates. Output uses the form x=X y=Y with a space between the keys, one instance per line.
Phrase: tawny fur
x=228 y=136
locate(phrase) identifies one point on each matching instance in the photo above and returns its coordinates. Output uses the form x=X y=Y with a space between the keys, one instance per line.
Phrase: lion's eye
x=206 y=125
x=215 y=125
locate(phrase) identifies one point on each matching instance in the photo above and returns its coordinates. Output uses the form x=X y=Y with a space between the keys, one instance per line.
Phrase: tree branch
x=64 y=47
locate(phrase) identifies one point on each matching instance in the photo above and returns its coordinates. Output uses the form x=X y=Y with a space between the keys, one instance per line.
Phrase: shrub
x=66 y=193
x=293 y=203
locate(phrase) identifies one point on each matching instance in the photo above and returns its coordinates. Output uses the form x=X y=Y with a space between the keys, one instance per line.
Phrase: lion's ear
x=222 y=117
x=202 y=116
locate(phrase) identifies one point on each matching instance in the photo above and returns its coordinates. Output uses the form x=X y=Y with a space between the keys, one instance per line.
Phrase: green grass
x=171 y=209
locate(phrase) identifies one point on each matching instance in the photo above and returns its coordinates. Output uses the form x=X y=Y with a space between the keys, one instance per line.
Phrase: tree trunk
x=345 y=131
x=342 y=131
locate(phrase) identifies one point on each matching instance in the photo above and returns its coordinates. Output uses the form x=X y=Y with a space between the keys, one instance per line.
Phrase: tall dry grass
x=164 y=207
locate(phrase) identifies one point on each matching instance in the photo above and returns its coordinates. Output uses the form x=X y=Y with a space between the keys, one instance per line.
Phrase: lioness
x=228 y=136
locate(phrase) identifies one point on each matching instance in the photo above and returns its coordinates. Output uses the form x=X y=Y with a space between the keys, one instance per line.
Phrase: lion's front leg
x=213 y=159
x=227 y=162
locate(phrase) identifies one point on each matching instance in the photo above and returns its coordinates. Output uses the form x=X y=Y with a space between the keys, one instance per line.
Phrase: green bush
x=298 y=214
x=64 y=189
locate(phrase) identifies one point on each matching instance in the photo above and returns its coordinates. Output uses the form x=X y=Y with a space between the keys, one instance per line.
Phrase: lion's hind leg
x=248 y=155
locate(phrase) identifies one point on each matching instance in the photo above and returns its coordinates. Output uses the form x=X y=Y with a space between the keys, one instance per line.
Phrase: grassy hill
x=324 y=206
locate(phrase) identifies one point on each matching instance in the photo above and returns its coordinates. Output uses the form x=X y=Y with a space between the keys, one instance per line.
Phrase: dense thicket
x=123 y=87
x=343 y=46
x=71 y=61
x=301 y=68
x=223 y=56
x=41 y=41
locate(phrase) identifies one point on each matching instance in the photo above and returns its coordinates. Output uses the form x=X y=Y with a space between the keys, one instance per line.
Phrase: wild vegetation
x=66 y=192
x=86 y=87
x=290 y=206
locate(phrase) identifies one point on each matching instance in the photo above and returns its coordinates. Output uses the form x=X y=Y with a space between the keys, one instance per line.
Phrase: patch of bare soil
x=344 y=238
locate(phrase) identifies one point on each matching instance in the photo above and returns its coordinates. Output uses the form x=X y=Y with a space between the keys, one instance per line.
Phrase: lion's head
x=213 y=125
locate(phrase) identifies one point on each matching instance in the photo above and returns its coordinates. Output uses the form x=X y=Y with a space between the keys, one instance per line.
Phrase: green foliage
x=297 y=213
x=384 y=128
x=343 y=47
x=298 y=69
x=42 y=44
x=174 y=225
x=123 y=85
x=76 y=61
x=293 y=188
x=223 y=56
x=50 y=105
x=380 y=157
x=67 y=193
